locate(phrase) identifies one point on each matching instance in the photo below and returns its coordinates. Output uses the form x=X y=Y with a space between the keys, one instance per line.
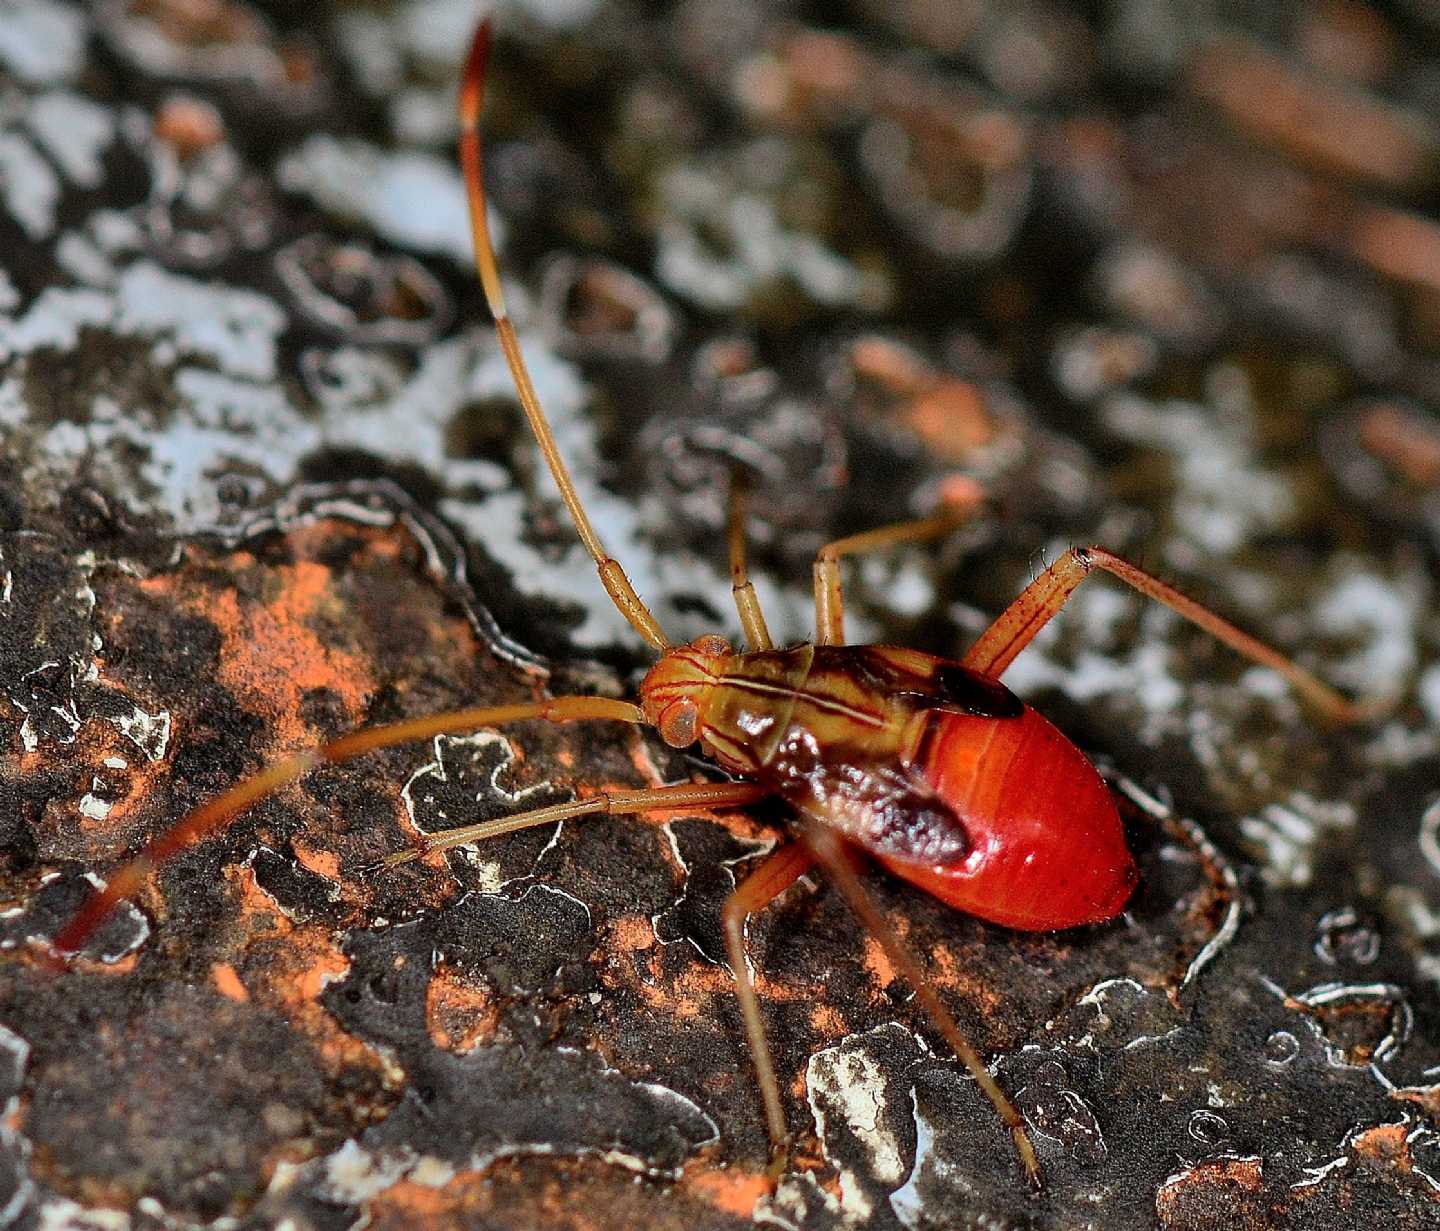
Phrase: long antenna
x=612 y=576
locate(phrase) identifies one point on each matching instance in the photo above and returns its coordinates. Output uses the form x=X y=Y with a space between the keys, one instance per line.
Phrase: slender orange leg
x=832 y=855
x=829 y=602
x=780 y=869
x=747 y=603
x=1044 y=597
x=611 y=803
x=209 y=818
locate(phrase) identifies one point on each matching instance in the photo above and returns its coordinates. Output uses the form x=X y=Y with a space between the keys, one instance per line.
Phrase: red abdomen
x=1047 y=849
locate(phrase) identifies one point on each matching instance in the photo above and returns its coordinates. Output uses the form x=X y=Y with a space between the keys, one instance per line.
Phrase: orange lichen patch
x=1427 y=1098
x=680 y=1000
x=812 y=75
x=952 y=416
x=896 y=369
x=557 y=1193
x=126 y=965
x=1382 y=1141
x=271 y=658
x=961 y=489
x=1389 y=1145
x=459 y=1013
x=947 y=973
x=1239 y=1178
x=116 y=781
x=1317 y=122
x=223 y=975
x=826 y=1020
x=188 y=125
x=260 y=918
x=406 y=1203
x=294 y=974
x=692 y=994
x=328 y=967
x=734 y=1191
x=271 y=654
x=1398 y=245
x=321 y=862
x=287 y=967
x=1403 y=440
x=877 y=963
x=629 y=933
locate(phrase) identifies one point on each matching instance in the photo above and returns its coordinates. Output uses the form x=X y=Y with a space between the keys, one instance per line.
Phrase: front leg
x=963 y=499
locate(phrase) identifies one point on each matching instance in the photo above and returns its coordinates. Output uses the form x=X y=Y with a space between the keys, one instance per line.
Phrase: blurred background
x=1159 y=274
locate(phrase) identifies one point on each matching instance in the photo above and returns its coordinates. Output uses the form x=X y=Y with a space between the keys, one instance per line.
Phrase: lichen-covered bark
x=1159 y=283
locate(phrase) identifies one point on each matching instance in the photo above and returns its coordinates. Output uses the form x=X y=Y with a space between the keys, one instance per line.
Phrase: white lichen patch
x=42 y=42
x=1224 y=496
x=1142 y=675
x=1383 y=615
x=353 y=1174
x=236 y=329
x=54 y=320
x=760 y=250
x=148 y=732
x=412 y=199
x=231 y=328
x=847 y=1092
x=56 y=129
x=930 y=1169
x=14 y=1057
x=22 y=1187
x=62 y=1214
x=1427 y=688
x=1430 y=848
x=94 y=806
x=1289 y=834
x=73 y=132
x=65 y=710
x=28 y=184
x=432 y=1172
x=799 y=1202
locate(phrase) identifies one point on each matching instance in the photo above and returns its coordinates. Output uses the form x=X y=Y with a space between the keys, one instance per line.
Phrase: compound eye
x=712 y=645
x=679 y=725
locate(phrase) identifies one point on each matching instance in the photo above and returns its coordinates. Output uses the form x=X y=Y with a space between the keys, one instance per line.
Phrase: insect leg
x=752 y=619
x=211 y=817
x=612 y=575
x=780 y=869
x=960 y=506
x=612 y=803
x=831 y=853
x=1042 y=599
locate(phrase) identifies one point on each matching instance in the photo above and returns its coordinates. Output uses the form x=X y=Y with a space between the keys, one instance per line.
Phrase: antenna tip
x=472 y=82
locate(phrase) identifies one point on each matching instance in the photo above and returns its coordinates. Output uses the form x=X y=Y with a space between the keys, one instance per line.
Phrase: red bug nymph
x=939 y=772
x=932 y=767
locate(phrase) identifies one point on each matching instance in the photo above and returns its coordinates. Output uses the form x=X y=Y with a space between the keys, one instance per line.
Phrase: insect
x=931 y=766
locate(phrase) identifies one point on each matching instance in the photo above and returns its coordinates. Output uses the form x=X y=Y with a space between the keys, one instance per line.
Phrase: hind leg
x=1043 y=598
